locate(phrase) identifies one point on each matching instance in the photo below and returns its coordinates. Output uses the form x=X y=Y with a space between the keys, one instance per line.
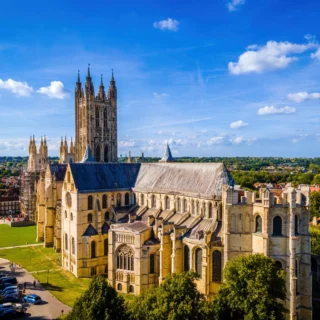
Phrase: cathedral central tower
x=96 y=120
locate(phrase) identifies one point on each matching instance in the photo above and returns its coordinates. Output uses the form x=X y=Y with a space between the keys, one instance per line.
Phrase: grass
x=17 y=235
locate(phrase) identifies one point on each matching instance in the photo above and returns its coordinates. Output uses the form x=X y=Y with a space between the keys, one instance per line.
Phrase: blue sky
x=214 y=77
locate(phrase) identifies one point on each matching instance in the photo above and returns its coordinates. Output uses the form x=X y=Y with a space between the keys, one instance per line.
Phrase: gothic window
x=277 y=226
x=131 y=289
x=216 y=266
x=106 y=154
x=167 y=203
x=247 y=223
x=71 y=216
x=151 y=263
x=192 y=207
x=105 y=120
x=125 y=258
x=240 y=224
x=210 y=210
x=104 y=201
x=98 y=153
x=118 y=199
x=97 y=117
x=89 y=217
x=278 y=264
x=258 y=224
x=66 y=241
x=153 y=201
x=296 y=221
x=119 y=287
x=127 y=199
x=93 y=249
x=73 y=246
x=197 y=207
x=185 y=205
x=186 y=258
x=106 y=216
x=90 y=203
x=105 y=247
x=93 y=272
x=179 y=205
x=66 y=214
x=199 y=262
x=233 y=223
x=142 y=200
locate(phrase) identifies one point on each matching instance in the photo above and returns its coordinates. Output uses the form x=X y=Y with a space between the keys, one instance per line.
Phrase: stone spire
x=88 y=157
x=89 y=85
x=78 y=84
x=101 y=93
x=167 y=157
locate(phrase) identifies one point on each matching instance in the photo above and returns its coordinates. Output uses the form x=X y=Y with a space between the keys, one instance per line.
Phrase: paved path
x=51 y=307
x=22 y=246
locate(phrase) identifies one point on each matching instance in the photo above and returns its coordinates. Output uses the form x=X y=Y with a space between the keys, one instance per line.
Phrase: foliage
x=252 y=287
x=176 y=298
x=99 y=302
x=314 y=204
x=315 y=240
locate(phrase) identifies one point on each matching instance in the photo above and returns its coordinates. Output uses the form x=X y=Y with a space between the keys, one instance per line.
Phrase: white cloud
x=123 y=144
x=233 y=4
x=302 y=96
x=159 y=95
x=55 y=90
x=238 y=124
x=274 y=110
x=168 y=24
x=21 y=89
x=316 y=55
x=273 y=55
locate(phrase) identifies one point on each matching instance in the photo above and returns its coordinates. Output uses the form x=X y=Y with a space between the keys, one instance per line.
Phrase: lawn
x=10 y=236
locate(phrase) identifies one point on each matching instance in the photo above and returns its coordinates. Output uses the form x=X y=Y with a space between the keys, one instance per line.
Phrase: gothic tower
x=96 y=120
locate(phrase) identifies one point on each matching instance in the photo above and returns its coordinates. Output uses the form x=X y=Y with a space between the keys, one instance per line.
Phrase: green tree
x=99 y=302
x=314 y=204
x=252 y=287
x=315 y=240
x=177 y=298
x=316 y=179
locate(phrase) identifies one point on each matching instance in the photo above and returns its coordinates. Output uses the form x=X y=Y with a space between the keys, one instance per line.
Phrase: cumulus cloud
x=275 y=110
x=56 y=90
x=21 y=89
x=159 y=95
x=233 y=4
x=273 y=55
x=238 y=124
x=316 y=55
x=168 y=24
x=228 y=140
x=302 y=96
x=127 y=143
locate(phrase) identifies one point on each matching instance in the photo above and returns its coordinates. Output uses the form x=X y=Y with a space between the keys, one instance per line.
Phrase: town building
x=9 y=205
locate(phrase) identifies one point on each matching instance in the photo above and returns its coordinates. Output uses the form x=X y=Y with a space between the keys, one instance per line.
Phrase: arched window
x=126 y=199
x=97 y=117
x=247 y=223
x=153 y=201
x=258 y=224
x=73 y=246
x=192 y=207
x=66 y=241
x=93 y=249
x=105 y=154
x=66 y=214
x=118 y=199
x=152 y=263
x=105 y=119
x=296 y=225
x=105 y=247
x=106 y=216
x=98 y=153
x=210 y=210
x=240 y=223
x=125 y=258
x=186 y=258
x=179 y=205
x=89 y=218
x=233 y=223
x=131 y=289
x=199 y=262
x=167 y=203
x=142 y=200
x=278 y=264
x=71 y=216
x=185 y=205
x=90 y=202
x=197 y=207
x=104 y=201
x=277 y=226
x=119 y=286
x=216 y=265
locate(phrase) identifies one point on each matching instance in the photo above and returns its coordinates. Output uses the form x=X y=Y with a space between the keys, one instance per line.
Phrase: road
x=22 y=246
x=51 y=308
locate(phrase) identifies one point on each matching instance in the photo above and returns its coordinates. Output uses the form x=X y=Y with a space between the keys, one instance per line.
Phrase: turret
x=65 y=144
x=101 y=94
x=45 y=147
x=78 y=89
x=61 y=146
x=112 y=94
x=41 y=151
x=71 y=146
x=89 y=84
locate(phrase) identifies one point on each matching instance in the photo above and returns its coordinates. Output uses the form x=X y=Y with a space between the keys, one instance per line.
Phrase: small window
x=179 y=205
x=167 y=203
x=153 y=201
x=93 y=272
x=142 y=200
x=71 y=216
x=66 y=214
x=89 y=218
x=90 y=202
x=118 y=199
x=106 y=216
x=277 y=226
x=185 y=205
x=105 y=119
x=66 y=241
x=104 y=201
x=127 y=199
x=93 y=249
x=73 y=246
x=68 y=176
x=186 y=258
x=151 y=263
x=296 y=225
x=119 y=287
x=210 y=210
x=199 y=262
x=216 y=266
x=258 y=224
x=278 y=264
x=105 y=247
x=131 y=289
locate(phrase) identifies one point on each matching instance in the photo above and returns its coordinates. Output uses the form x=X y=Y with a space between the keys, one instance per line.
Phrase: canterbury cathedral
x=135 y=223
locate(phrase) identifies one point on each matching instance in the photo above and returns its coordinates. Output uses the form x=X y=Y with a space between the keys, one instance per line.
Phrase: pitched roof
x=90 y=231
x=59 y=170
x=88 y=157
x=92 y=177
x=193 y=179
x=105 y=228
x=167 y=157
x=136 y=226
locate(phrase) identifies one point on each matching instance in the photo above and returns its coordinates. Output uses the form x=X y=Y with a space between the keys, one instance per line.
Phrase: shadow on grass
x=51 y=287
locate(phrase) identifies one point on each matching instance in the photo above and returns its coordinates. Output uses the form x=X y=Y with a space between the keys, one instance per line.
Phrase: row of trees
x=252 y=289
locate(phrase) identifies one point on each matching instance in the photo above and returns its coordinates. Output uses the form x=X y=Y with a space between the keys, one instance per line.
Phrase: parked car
x=11 y=313
x=4 y=306
x=11 y=280
x=9 y=288
x=32 y=298
x=11 y=293
x=12 y=298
